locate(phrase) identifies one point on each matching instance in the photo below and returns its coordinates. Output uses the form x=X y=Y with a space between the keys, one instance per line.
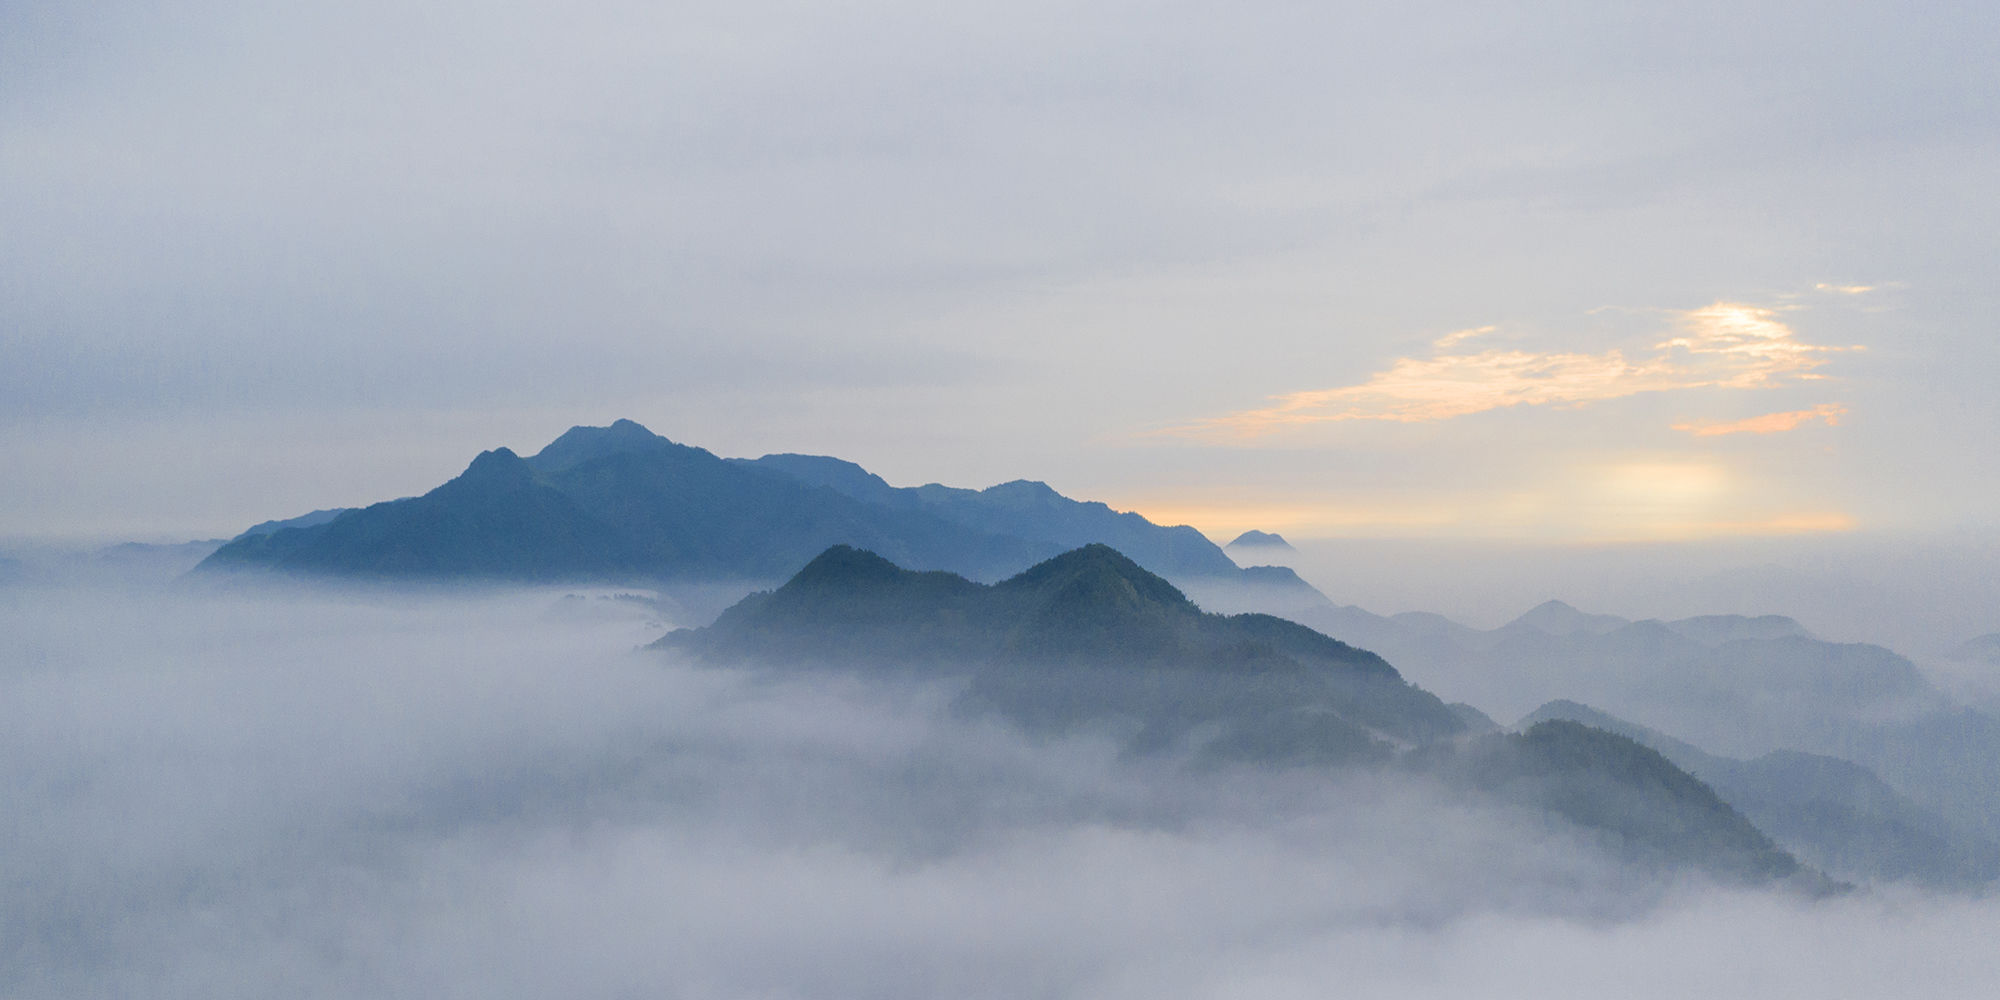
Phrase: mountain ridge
x=1080 y=623
x=1833 y=813
x=620 y=504
x=1091 y=639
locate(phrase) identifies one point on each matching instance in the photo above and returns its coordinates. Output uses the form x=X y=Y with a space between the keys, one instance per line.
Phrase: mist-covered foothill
x=1809 y=727
x=1834 y=814
x=1090 y=641
x=1088 y=637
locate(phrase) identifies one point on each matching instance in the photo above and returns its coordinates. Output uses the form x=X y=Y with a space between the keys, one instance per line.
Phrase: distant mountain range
x=1984 y=649
x=622 y=504
x=1079 y=626
x=1833 y=813
x=1738 y=686
x=1260 y=543
x=1091 y=639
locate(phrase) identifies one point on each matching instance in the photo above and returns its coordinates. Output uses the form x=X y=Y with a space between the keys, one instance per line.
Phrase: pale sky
x=1546 y=273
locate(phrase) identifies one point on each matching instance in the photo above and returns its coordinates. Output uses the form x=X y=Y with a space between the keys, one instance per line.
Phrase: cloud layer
x=1768 y=423
x=1726 y=345
x=348 y=795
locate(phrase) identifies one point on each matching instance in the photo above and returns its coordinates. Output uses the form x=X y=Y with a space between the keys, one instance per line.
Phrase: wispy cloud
x=1769 y=423
x=1729 y=345
x=1455 y=338
x=1836 y=288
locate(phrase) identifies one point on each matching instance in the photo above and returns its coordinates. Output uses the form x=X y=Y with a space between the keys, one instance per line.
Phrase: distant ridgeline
x=1837 y=815
x=1266 y=541
x=623 y=504
x=1089 y=638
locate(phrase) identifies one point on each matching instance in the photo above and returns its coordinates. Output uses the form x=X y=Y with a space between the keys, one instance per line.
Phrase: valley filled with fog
x=275 y=790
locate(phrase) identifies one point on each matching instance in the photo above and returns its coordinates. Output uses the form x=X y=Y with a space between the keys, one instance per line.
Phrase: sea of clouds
x=321 y=793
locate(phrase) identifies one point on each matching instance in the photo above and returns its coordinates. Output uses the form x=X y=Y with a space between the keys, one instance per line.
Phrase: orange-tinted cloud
x=1769 y=423
x=1724 y=345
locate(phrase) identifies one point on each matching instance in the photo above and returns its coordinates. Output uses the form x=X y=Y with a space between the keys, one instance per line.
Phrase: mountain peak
x=1097 y=567
x=853 y=586
x=582 y=444
x=1558 y=618
x=1714 y=630
x=1260 y=540
x=1022 y=491
x=1087 y=635
x=499 y=467
x=847 y=566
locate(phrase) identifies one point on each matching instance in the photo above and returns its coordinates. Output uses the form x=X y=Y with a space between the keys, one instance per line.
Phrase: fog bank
x=356 y=794
x=1919 y=595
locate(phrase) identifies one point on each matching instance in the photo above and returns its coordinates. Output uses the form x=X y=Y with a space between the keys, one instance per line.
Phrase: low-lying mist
x=298 y=793
x=1920 y=595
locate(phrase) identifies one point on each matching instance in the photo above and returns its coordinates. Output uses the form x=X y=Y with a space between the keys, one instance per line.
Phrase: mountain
x=1087 y=637
x=1743 y=686
x=1091 y=639
x=1630 y=799
x=1022 y=509
x=1984 y=649
x=621 y=504
x=497 y=519
x=1834 y=814
x=309 y=520
x=1714 y=630
x=1557 y=618
x=1738 y=686
x=1260 y=542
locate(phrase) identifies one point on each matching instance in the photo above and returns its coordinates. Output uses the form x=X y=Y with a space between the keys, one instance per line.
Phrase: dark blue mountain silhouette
x=621 y=503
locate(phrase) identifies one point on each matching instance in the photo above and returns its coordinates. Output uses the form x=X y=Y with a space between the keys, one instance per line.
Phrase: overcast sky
x=1561 y=272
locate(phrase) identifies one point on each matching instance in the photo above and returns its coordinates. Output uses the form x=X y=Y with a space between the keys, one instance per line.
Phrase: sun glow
x=1725 y=345
x=1667 y=498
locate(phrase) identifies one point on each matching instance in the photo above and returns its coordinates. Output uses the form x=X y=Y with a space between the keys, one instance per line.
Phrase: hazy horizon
x=1438 y=272
x=1920 y=593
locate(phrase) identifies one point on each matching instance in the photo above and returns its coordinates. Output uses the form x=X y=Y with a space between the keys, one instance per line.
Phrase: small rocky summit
x=1266 y=540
